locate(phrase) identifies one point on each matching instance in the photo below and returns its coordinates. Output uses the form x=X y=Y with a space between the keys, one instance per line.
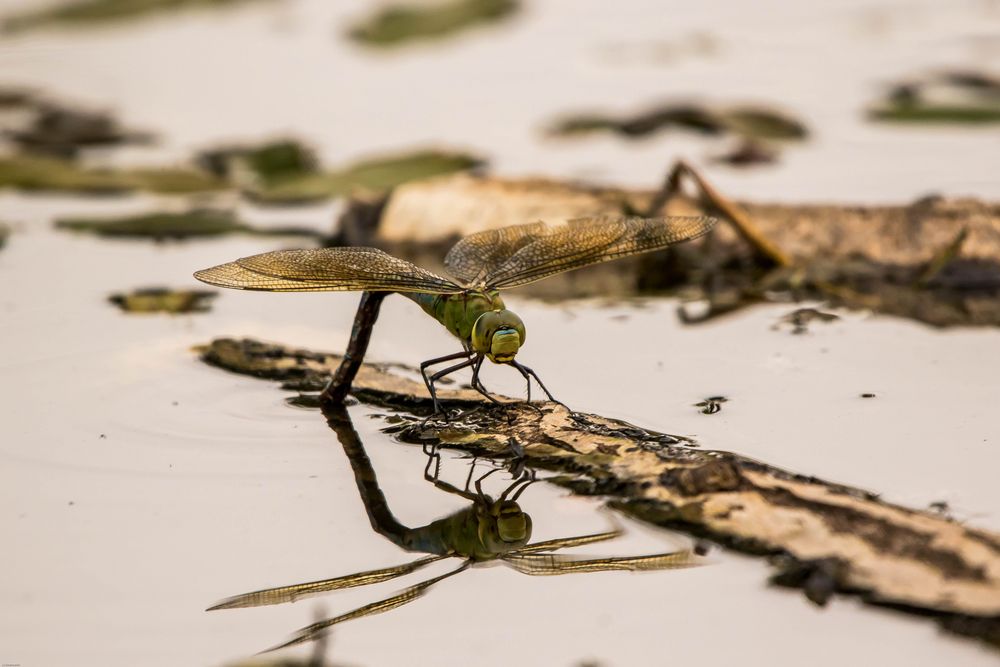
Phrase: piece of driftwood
x=823 y=537
x=936 y=260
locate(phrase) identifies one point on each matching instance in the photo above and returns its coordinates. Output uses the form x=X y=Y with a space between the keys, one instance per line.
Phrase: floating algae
x=62 y=131
x=399 y=24
x=164 y=300
x=176 y=226
x=53 y=174
x=85 y=13
x=954 y=97
x=376 y=174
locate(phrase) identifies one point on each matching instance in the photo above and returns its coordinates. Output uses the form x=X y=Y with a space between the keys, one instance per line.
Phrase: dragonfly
x=489 y=530
x=481 y=265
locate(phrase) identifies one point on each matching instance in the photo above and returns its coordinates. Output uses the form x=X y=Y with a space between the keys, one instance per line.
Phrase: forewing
x=326 y=269
x=295 y=592
x=587 y=241
x=567 y=542
x=471 y=259
x=410 y=594
x=550 y=564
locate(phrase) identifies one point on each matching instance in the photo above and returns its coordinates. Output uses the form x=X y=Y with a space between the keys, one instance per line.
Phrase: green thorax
x=458 y=312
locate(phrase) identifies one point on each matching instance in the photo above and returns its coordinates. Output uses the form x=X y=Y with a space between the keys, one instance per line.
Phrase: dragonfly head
x=503 y=526
x=498 y=334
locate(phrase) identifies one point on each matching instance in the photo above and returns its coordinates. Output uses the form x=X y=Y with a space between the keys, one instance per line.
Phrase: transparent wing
x=550 y=564
x=587 y=241
x=410 y=594
x=472 y=258
x=326 y=269
x=567 y=542
x=298 y=591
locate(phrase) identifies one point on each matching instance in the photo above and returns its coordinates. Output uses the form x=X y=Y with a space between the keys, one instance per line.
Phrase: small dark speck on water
x=71 y=503
x=711 y=405
x=867 y=395
x=174 y=403
x=103 y=436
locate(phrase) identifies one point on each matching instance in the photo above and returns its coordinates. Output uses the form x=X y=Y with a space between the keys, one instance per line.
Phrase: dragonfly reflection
x=488 y=530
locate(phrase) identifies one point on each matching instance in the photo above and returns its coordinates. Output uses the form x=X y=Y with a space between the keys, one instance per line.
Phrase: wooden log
x=936 y=260
x=824 y=537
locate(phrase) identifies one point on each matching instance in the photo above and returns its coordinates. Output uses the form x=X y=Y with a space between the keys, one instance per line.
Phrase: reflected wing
x=313 y=631
x=471 y=259
x=566 y=542
x=326 y=269
x=298 y=591
x=587 y=241
x=549 y=564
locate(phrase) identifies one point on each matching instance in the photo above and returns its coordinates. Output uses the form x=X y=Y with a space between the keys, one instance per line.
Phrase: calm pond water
x=139 y=486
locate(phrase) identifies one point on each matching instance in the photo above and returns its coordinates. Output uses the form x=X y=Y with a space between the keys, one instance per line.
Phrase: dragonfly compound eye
x=504 y=527
x=498 y=334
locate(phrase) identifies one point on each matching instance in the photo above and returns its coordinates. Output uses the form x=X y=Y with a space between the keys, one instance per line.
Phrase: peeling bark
x=824 y=537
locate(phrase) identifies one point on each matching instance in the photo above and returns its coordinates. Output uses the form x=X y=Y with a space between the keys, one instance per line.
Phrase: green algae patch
x=956 y=97
x=47 y=174
x=87 y=13
x=175 y=226
x=164 y=300
x=375 y=174
x=400 y=24
x=951 y=115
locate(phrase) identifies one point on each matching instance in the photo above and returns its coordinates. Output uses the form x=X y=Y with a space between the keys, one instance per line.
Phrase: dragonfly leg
x=477 y=384
x=526 y=372
x=431 y=362
x=440 y=374
x=336 y=391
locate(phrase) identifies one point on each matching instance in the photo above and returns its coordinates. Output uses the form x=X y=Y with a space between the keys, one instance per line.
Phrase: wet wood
x=823 y=537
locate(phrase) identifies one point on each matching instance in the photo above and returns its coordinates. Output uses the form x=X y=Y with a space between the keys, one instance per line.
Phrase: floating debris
x=399 y=24
x=743 y=121
x=867 y=395
x=51 y=174
x=176 y=226
x=802 y=317
x=950 y=97
x=61 y=131
x=711 y=405
x=748 y=152
x=374 y=174
x=4 y=233
x=15 y=97
x=164 y=300
x=85 y=13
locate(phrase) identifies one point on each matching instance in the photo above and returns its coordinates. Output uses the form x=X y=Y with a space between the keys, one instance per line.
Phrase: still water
x=138 y=486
